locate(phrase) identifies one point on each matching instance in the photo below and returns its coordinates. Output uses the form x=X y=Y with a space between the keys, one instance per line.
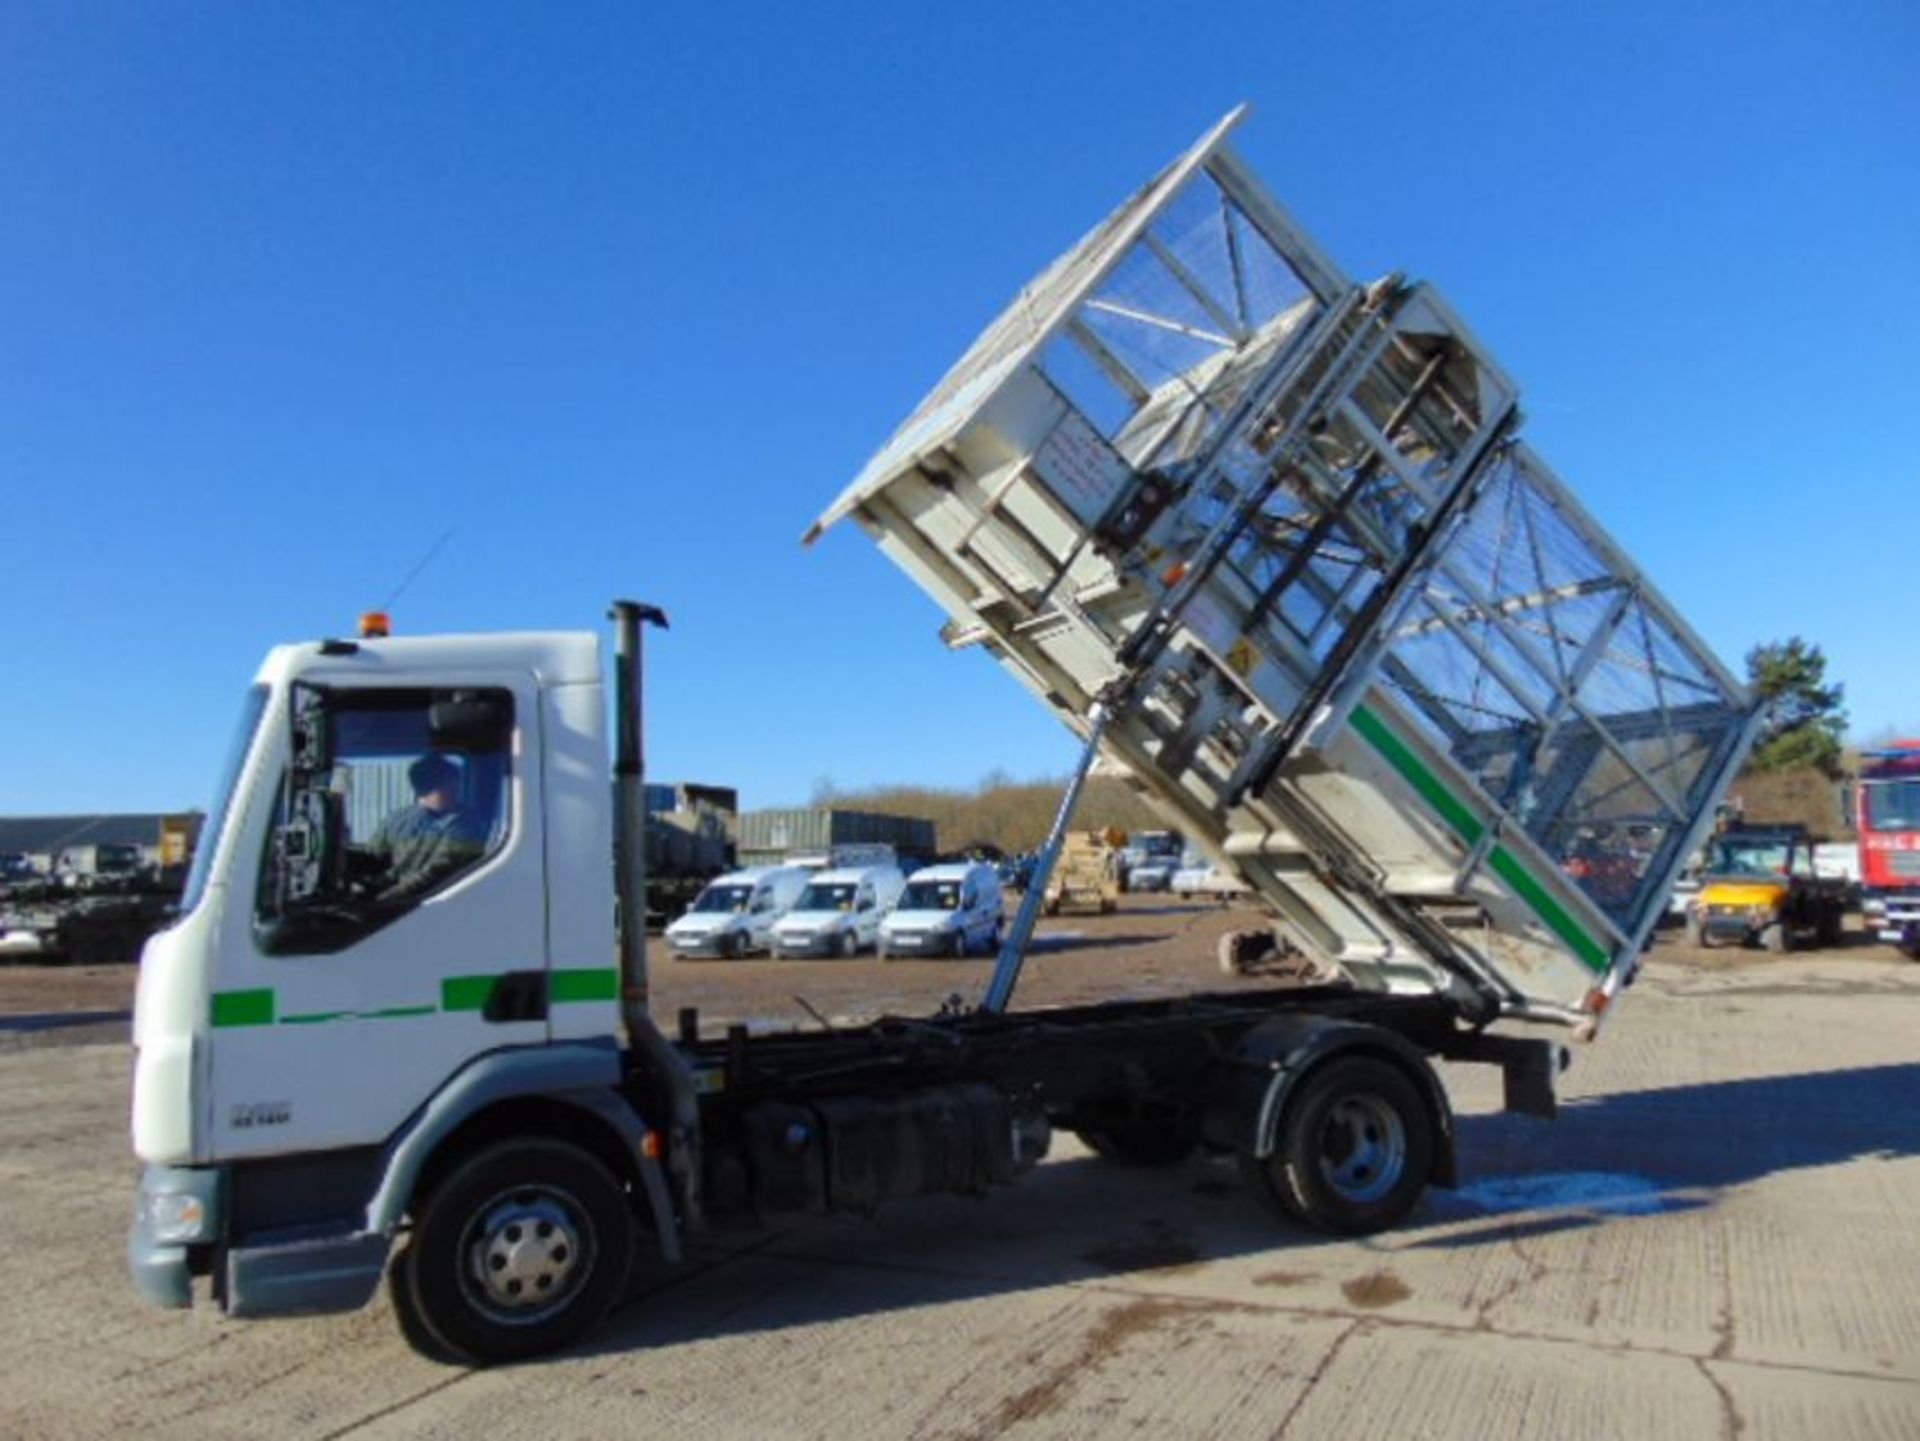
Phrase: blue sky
x=622 y=295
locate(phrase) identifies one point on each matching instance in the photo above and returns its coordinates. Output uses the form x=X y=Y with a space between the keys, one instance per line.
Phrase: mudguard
x=584 y=1076
x=1273 y=1058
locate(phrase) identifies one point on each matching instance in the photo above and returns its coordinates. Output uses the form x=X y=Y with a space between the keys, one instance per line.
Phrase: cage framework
x=1351 y=632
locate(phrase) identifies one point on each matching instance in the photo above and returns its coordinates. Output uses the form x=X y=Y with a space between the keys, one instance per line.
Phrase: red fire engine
x=1888 y=820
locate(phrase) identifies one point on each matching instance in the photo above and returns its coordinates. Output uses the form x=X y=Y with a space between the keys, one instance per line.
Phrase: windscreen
x=1750 y=858
x=1893 y=805
x=724 y=899
x=218 y=811
x=837 y=897
x=931 y=896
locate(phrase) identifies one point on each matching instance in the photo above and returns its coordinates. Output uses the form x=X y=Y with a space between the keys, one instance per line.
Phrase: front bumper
x=161 y=1273
x=275 y=1276
x=718 y=946
x=177 y=1210
x=788 y=948
x=923 y=943
x=1733 y=923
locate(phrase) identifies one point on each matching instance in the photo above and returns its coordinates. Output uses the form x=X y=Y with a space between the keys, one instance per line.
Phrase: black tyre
x=1832 y=928
x=849 y=944
x=1143 y=1141
x=519 y=1250
x=1355 y=1149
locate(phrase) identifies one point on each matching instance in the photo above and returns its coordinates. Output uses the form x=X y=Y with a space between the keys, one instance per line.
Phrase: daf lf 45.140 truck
x=1266 y=538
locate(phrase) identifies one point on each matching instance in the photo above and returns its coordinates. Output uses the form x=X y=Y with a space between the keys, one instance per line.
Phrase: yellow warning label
x=1242 y=657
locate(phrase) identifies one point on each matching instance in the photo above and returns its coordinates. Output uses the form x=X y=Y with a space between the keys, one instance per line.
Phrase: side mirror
x=308 y=848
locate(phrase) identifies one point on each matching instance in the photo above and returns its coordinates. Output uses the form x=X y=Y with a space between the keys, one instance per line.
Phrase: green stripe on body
x=1431 y=789
x=599 y=984
x=466 y=993
x=1457 y=814
x=458 y=995
x=385 y=1013
x=243 y=1008
x=1509 y=869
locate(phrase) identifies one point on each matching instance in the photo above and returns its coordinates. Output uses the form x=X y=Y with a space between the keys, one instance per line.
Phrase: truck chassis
x=523 y=1233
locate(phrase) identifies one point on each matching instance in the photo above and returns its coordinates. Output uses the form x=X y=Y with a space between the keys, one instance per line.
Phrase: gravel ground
x=1714 y=1240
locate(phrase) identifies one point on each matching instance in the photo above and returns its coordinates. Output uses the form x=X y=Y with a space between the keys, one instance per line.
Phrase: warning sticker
x=1078 y=465
x=1241 y=657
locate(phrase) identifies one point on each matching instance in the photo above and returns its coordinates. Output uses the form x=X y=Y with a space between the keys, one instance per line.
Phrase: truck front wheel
x=1355 y=1149
x=520 y=1249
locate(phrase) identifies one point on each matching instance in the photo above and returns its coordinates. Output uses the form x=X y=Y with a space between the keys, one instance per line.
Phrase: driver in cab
x=420 y=845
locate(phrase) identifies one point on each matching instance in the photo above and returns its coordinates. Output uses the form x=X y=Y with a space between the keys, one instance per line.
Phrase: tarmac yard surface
x=1716 y=1239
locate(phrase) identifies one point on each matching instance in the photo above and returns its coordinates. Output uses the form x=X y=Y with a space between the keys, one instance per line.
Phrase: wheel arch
x=1274 y=1061
x=560 y=1093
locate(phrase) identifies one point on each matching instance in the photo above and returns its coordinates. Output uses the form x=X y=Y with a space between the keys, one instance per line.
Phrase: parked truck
x=689 y=843
x=99 y=901
x=1085 y=875
x=1263 y=536
x=1887 y=801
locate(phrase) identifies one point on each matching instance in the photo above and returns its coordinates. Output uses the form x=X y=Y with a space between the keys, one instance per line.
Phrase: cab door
x=386 y=941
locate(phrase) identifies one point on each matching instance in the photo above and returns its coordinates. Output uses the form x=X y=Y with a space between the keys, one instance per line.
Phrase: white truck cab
x=839 y=913
x=407 y=859
x=946 y=910
x=735 y=915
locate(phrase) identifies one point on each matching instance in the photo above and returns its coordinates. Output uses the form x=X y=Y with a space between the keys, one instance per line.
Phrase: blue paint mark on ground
x=1615 y=1192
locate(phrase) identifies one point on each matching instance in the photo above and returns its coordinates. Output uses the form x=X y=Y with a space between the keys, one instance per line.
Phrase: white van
x=951 y=910
x=734 y=915
x=839 y=912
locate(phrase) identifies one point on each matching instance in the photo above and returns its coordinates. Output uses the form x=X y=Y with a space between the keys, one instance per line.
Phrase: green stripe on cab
x=467 y=993
x=243 y=1008
x=593 y=985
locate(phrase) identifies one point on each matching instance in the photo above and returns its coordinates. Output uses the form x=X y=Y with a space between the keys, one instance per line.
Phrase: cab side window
x=393 y=795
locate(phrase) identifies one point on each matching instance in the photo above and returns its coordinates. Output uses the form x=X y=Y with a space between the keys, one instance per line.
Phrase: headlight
x=1761 y=915
x=175 y=1218
x=171 y=1216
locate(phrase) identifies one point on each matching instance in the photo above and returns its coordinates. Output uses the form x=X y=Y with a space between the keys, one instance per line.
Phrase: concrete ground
x=1715 y=1239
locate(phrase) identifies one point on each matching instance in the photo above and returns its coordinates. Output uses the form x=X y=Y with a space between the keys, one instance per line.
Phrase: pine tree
x=1802 y=716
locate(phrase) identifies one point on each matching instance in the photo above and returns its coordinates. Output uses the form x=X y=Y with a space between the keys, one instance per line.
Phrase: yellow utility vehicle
x=1760 y=886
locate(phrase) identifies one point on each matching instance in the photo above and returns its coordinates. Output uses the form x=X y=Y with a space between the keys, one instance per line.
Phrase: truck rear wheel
x=521 y=1249
x=1355 y=1149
